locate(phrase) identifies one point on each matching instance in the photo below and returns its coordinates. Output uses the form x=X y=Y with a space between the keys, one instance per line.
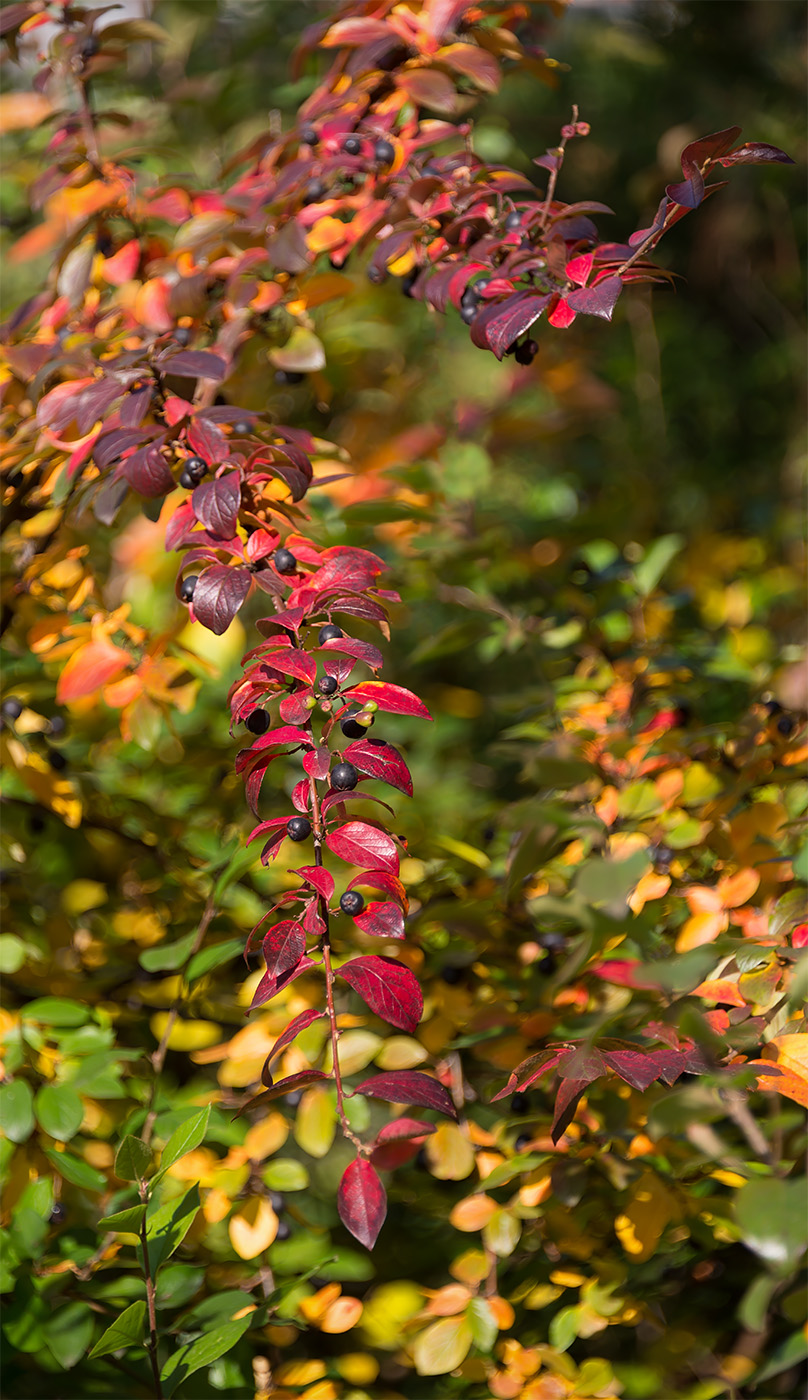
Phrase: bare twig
x=151 y=1345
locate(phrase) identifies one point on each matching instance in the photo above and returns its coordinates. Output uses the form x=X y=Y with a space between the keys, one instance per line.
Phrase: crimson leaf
x=358 y=843
x=380 y=760
x=393 y=698
x=283 y=947
x=195 y=364
x=497 y=327
x=382 y=920
x=362 y=1202
x=218 y=595
x=408 y=1086
x=300 y=1023
x=146 y=471
x=404 y=1128
x=216 y=504
x=285 y=1086
x=570 y=1092
x=599 y=300
x=388 y=988
x=530 y=1070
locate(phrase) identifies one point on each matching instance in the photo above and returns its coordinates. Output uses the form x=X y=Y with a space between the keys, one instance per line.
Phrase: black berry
x=257 y=722
x=468 y=312
x=57 y=725
x=58 y=1214
x=350 y=728
x=182 y=335
x=241 y=428
x=314 y=192
x=352 y=145
x=785 y=726
x=384 y=152
x=469 y=297
x=89 y=48
x=352 y=903
x=451 y=975
x=773 y=707
x=298 y=828
x=513 y=221
x=277 y=1201
x=344 y=777
x=482 y=286
x=375 y=275
x=309 y=136
x=522 y=1141
x=548 y=965
x=329 y=633
x=289 y=376
x=187 y=588
x=526 y=353
x=57 y=761
x=11 y=708
x=520 y=1103
x=186 y=481
x=327 y=685
x=663 y=855
x=283 y=1231
x=408 y=282
x=196 y=467
x=284 y=561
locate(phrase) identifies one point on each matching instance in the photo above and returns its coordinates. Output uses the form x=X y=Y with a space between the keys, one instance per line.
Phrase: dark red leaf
x=293 y=663
x=194 y=364
x=347 y=568
x=218 y=595
x=204 y=437
x=216 y=504
x=360 y=651
x=392 y=698
x=599 y=300
x=640 y=1068
x=358 y=843
x=408 y=1086
x=570 y=1092
x=318 y=877
x=293 y=1029
x=180 y=525
x=530 y=1070
x=273 y=739
x=362 y=1202
x=269 y=986
x=497 y=327
x=708 y=148
x=756 y=153
x=688 y=193
x=148 y=473
x=301 y=1080
x=283 y=947
x=288 y=249
x=318 y=762
x=382 y=880
x=404 y=1128
x=380 y=760
x=584 y=1063
x=388 y=988
x=389 y=1156
x=381 y=920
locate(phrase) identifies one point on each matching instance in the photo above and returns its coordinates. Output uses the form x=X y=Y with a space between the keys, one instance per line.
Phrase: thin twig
x=151 y=1345
x=554 y=174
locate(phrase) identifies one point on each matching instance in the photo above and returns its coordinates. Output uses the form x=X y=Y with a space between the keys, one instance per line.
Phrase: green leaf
x=610 y=881
x=56 y=1011
x=442 y=1346
x=564 y=1328
x=285 y=1174
x=59 y=1111
x=69 y=1333
x=17 y=1110
x=772 y=1219
x=177 y=1284
x=168 y=1226
x=76 y=1170
x=790 y=1353
x=185 y=1138
x=207 y=1348
x=168 y=956
x=483 y=1325
x=132 y=1159
x=506 y=1171
x=214 y=957
x=12 y=953
x=465 y=469
x=657 y=558
x=127 y=1221
x=126 y=1331
x=240 y=861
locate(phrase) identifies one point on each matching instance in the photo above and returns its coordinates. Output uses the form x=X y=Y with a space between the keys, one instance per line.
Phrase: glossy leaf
x=392 y=698
x=362 y=1202
x=219 y=594
x=358 y=843
x=389 y=989
x=379 y=759
x=126 y=1331
x=410 y=1087
x=216 y=504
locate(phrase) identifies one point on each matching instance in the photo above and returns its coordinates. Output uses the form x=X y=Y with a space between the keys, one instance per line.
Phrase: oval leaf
x=362 y=1202
x=389 y=989
x=219 y=593
x=358 y=843
x=408 y=1086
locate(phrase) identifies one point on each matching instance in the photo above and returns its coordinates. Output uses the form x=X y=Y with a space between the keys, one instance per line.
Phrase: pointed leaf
x=381 y=920
x=300 y=1023
x=219 y=593
x=292 y=1082
x=132 y=1159
x=128 y=1221
x=128 y=1330
x=408 y=1086
x=358 y=843
x=392 y=698
x=185 y=1138
x=362 y=1202
x=216 y=504
x=388 y=988
x=599 y=300
x=380 y=760
x=283 y=947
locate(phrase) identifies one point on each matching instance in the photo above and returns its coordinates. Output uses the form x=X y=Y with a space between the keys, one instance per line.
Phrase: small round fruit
x=283 y=1231
x=182 y=335
x=520 y=1103
x=298 y=828
x=11 y=708
x=315 y=191
x=375 y=275
x=352 y=903
x=548 y=965
x=772 y=707
x=785 y=726
x=289 y=376
x=526 y=353
x=57 y=761
x=277 y=1201
x=309 y=136
x=344 y=777
x=329 y=633
x=451 y=975
x=350 y=728
x=352 y=145
x=468 y=313
x=469 y=298
x=196 y=467
x=482 y=286
x=513 y=221
x=57 y=725
x=257 y=722
x=284 y=561
x=328 y=685
x=242 y=428
x=523 y=1140
x=58 y=1215
x=384 y=152
x=187 y=482
x=187 y=588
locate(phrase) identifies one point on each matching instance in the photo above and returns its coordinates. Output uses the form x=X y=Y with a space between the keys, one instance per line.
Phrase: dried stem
x=151 y=1345
x=554 y=174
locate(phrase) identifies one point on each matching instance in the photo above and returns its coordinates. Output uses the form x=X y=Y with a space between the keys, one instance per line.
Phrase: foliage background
x=514 y=510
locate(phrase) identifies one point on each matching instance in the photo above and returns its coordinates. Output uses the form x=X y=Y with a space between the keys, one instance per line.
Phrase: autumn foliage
x=629 y=964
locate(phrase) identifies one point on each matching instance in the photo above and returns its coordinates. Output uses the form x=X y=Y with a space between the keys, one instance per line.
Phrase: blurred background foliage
x=528 y=517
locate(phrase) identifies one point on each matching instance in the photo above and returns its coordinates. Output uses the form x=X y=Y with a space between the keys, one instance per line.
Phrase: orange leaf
x=473 y=1213
x=151 y=305
x=89 y=668
x=651 y=886
x=780 y=1081
x=123 y=265
x=448 y=1301
x=701 y=928
x=253 y=1226
x=738 y=888
x=342 y=1315
x=722 y=990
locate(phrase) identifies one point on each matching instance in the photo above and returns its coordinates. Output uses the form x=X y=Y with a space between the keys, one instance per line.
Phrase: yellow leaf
x=185 y=1035
x=401 y=1052
x=266 y=1137
x=315 y=1122
x=473 y=1212
x=300 y=1372
x=357 y=1367
x=387 y=1309
x=651 y=1207
x=341 y=1316
x=700 y=928
x=502 y=1232
x=356 y=1050
x=442 y=1346
x=22 y=110
x=252 y=1228
x=326 y=233
x=449 y=1153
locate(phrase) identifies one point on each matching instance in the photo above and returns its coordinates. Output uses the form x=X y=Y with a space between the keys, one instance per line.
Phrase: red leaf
x=530 y=1070
x=583 y=1063
x=404 y=1128
x=362 y=1202
x=561 y=316
x=756 y=153
x=347 y=568
x=599 y=300
x=179 y=525
x=497 y=327
x=285 y=1086
x=317 y=763
x=216 y=504
x=360 y=651
x=578 y=269
x=358 y=843
x=293 y=663
x=147 y=473
x=380 y=760
x=318 y=877
x=382 y=880
x=641 y=1068
x=269 y=986
x=355 y=32
x=388 y=988
x=688 y=193
x=89 y=668
x=392 y=698
x=196 y=364
x=408 y=1086
x=273 y=739
x=392 y=1155
x=708 y=148
x=569 y=1094
x=204 y=437
x=381 y=920
x=300 y=1023
x=218 y=595
x=283 y=947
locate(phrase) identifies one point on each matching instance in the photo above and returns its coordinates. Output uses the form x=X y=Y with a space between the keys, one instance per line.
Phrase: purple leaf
x=219 y=593
x=216 y=504
x=388 y=988
x=599 y=300
x=408 y=1086
x=147 y=472
x=301 y=1080
x=194 y=364
x=570 y=1092
x=755 y=153
x=496 y=327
